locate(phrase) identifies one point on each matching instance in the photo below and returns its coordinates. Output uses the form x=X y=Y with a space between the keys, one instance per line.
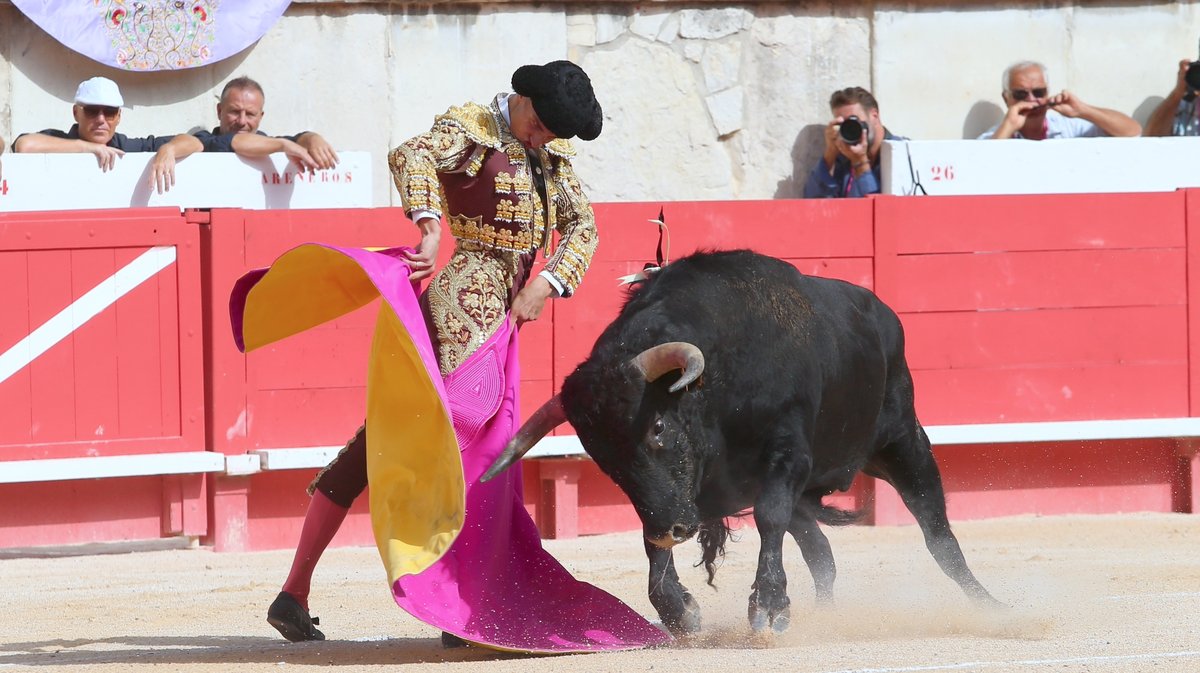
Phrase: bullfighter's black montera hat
x=562 y=96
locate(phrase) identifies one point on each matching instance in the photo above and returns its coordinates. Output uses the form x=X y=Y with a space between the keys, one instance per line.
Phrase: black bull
x=729 y=381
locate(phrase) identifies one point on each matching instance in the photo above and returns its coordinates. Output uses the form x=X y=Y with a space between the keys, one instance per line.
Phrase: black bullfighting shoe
x=292 y=620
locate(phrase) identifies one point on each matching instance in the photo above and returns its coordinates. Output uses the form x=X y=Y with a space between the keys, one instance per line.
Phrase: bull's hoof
x=761 y=618
x=781 y=622
x=688 y=620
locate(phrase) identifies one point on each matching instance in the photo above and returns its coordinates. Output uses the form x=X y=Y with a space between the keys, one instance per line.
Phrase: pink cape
x=480 y=573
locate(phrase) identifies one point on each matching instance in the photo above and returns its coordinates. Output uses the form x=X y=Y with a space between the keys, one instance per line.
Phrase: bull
x=731 y=381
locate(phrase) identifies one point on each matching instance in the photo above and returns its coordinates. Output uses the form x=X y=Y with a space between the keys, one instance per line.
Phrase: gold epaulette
x=561 y=147
x=476 y=121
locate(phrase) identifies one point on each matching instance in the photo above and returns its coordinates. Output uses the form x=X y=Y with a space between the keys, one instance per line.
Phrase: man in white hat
x=97 y=112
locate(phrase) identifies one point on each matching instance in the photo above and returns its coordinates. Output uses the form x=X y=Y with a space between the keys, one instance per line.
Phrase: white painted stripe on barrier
x=85 y=308
x=99 y=467
x=319 y=456
x=983 y=433
x=242 y=464
x=556 y=446
x=968 y=665
x=1058 y=431
x=563 y=446
x=296 y=459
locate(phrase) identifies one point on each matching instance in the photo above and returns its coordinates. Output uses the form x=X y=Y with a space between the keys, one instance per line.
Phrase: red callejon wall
x=1078 y=311
x=1054 y=317
x=1043 y=308
x=126 y=381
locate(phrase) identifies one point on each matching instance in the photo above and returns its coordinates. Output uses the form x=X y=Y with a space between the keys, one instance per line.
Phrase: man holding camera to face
x=849 y=167
x=1177 y=114
x=1034 y=114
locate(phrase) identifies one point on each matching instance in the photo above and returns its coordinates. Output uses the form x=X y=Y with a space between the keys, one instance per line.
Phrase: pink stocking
x=321 y=523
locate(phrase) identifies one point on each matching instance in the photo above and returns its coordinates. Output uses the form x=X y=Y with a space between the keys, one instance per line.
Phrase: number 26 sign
x=941 y=172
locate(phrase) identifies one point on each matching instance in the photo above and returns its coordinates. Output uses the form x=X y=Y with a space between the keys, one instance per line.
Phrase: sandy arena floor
x=1097 y=594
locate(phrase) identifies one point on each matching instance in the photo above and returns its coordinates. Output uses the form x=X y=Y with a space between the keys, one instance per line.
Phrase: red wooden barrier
x=1017 y=308
x=100 y=355
x=1042 y=308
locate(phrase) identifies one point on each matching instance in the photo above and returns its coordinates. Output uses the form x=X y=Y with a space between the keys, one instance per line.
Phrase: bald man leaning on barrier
x=239 y=113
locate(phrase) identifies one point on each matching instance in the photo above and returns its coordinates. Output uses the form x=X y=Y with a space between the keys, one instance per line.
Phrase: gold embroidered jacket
x=470 y=169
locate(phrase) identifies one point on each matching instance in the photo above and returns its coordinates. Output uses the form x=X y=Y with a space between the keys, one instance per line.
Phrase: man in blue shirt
x=1179 y=113
x=849 y=169
x=1034 y=114
x=239 y=112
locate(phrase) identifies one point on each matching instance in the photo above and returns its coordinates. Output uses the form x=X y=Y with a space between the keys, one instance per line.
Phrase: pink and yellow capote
x=460 y=555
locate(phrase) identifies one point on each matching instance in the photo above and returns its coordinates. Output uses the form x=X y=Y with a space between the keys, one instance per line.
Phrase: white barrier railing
x=101 y=467
x=1080 y=165
x=565 y=446
x=32 y=182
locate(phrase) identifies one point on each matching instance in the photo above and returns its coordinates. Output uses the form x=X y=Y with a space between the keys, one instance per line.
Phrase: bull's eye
x=659 y=427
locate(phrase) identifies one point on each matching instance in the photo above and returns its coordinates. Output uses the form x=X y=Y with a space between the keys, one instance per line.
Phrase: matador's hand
x=530 y=301
x=423 y=260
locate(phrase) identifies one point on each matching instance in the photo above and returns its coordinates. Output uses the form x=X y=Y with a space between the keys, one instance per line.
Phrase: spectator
x=97 y=112
x=850 y=169
x=1033 y=114
x=1177 y=114
x=239 y=113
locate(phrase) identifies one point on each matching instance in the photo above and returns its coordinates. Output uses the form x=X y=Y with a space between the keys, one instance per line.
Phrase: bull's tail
x=712 y=537
x=833 y=516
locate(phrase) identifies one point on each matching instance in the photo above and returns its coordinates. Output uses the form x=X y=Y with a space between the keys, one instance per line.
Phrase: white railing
x=1080 y=165
x=38 y=182
x=565 y=446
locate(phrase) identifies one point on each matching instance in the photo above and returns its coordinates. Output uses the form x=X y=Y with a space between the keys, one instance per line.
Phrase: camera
x=853 y=129
x=1192 y=76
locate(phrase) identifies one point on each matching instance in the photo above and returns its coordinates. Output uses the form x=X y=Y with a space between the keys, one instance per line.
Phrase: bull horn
x=663 y=358
x=545 y=419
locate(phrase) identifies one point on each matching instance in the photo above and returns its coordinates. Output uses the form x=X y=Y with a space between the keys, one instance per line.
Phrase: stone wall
x=702 y=100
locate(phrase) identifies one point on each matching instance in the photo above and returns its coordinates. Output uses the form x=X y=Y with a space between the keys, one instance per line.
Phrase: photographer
x=1176 y=115
x=1034 y=114
x=850 y=165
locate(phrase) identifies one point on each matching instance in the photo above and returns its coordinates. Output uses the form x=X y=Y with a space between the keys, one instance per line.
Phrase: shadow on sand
x=178 y=651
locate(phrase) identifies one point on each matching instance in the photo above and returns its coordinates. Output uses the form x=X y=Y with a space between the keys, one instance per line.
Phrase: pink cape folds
x=461 y=556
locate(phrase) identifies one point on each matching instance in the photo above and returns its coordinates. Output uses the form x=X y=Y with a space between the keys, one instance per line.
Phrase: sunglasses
x=1022 y=94
x=97 y=110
